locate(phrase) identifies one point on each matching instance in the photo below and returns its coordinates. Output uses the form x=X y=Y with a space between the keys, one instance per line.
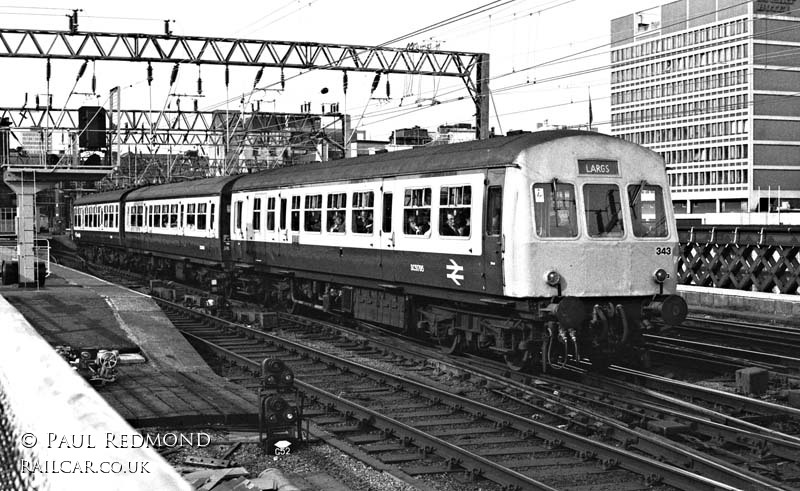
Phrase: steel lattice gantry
x=170 y=127
x=472 y=68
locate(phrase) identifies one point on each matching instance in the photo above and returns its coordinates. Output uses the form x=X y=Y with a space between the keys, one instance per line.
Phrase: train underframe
x=535 y=333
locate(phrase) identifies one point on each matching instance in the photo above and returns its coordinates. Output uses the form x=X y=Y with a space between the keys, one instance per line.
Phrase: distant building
x=712 y=85
x=414 y=137
x=33 y=141
x=454 y=133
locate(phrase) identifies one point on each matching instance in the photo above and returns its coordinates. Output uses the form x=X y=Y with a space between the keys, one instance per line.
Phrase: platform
x=175 y=387
x=750 y=306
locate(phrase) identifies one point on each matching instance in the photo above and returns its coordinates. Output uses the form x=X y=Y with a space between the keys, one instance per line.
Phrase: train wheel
x=519 y=360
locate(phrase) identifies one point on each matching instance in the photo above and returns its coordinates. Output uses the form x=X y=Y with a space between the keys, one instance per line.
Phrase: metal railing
x=9 y=251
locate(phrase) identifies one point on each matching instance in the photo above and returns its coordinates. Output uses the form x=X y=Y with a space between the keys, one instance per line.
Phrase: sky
x=548 y=58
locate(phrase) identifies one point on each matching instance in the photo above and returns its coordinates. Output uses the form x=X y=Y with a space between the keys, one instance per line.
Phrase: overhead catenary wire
x=507 y=89
x=571 y=74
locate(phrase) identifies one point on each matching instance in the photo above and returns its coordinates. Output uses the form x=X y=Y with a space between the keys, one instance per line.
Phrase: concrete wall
x=622 y=30
x=701 y=12
x=747 y=305
x=775 y=155
x=673 y=17
x=776 y=80
x=51 y=417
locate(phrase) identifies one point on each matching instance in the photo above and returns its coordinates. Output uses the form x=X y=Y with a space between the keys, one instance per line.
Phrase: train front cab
x=593 y=230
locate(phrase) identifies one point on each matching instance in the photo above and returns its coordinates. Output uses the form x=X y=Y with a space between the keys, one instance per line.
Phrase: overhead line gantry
x=472 y=68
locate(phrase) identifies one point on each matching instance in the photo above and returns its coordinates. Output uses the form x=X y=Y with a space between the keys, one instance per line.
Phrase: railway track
x=448 y=432
x=707 y=442
x=724 y=346
x=759 y=343
x=734 y=435
x=623 y=409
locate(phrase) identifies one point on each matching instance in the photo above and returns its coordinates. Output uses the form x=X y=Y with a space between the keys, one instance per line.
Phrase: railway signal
x=280 y=407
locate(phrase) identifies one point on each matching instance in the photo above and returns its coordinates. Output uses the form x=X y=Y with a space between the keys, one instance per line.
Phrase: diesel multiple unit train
x=542 y=248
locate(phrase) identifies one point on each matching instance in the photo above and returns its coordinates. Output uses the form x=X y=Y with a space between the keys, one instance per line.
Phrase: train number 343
x=663 y=251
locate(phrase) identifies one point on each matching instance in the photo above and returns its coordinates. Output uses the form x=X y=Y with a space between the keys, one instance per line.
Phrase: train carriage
x=96 y=219
x=540 y=247
x=557 y=230
x=186 y=221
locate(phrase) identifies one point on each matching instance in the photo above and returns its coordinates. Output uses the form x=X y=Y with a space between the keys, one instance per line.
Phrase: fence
x=753 y=258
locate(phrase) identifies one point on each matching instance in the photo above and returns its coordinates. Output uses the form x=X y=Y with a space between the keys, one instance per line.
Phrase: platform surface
x=65 y=313
x=174 y=387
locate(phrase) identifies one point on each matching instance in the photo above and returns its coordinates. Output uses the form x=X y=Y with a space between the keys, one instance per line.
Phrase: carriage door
x=387 y=232
x=494 y=238
x=282 y=223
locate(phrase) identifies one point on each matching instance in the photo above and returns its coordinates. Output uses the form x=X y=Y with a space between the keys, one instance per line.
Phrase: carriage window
x=270 y=214
x=417 y=211
x=336 y=212
x=211 y=225
x=295 y=214
x=201 y=216
x=555 y=213
x=238 y=223
x=603 y=210
x=387 y=212
x=494 y=210
x=647 y=210
x=256 y=213
x=150 y=215
x=173 y=216
x=165 y=216
x=363 y=204
x=313 y=215
x=455 y=210
x=190 y=215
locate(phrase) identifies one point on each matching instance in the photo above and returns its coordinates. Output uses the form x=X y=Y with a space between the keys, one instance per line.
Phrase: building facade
x=714 y=87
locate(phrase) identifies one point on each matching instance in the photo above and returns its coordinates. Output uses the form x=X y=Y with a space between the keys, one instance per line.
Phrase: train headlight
x=660 y=276
x=552 y=278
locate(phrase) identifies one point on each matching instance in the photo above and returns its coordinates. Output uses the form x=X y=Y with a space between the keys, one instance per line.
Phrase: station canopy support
x=26 y=182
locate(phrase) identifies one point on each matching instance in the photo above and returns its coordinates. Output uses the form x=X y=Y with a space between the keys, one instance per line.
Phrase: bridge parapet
x=750 y=257
x=56 y=432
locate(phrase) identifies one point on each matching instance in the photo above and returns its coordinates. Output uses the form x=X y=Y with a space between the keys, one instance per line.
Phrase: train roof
x=477 y=154
x=197 y=187
x=104 y=197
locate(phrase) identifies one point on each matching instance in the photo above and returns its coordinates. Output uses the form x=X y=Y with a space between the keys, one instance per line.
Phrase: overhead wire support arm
x=31 y=43
x=473 y=68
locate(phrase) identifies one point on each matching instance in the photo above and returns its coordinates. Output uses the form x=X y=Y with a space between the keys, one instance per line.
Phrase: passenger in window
x=363 y=222
x=411 y=225
x=338 y=223
x=462 y=225
x=368 y=222
x=449 y=226
x=421 y=225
